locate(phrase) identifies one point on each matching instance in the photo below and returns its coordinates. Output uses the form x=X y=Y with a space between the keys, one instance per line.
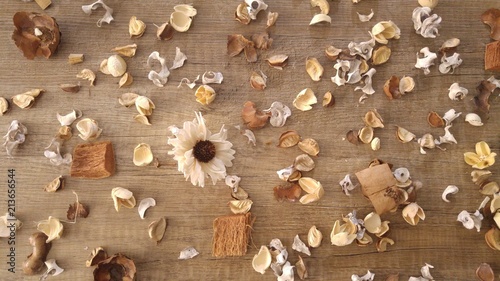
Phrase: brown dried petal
x=278 y=61
x=235 y=44
x=373 y=119
x=55 y=184
x=491 y=17
x=98 y=254
x=118 y=266
x=492 y=238
x=252 y=117
x=250 y=52
x=485 y=273
x=78 y=209
x=391 y=88
x=70 y=88
x=435 y=120
x=27 y=25
x=352 y=136
x=272 y=17
x=258 y=81
x=165 y=32
x=309 y=146
x=262 y=40
x=332 y=53
x=287 y=192
x=241 y=14
x=485 y=88
x=328 y=99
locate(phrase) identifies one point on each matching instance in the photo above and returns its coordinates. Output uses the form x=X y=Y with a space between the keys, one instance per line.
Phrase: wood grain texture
x=439 y=240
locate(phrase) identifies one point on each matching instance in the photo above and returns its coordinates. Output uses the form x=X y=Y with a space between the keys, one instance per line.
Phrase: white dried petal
x=384 y=30
x=254 y=10
x=425 y=271
x=354 y=74
x=144 y=205
x=473 y=119
x=233 y=182
x=449 y=63
x=158 y=78
x=406 y=84
x=9 y=224
x=368 y=87
x=342 y=67
x=285 y=173
x=456 y=92
x=369 y=276
x=451 y=115
x=300 y=246
x=52 y=227
x=262 y=260
x=426 y=61
x=210 y=77
x=188 y=83
x=314 y=237
x=365 y=18
x=424 y=23
x=53 y=153
x=279 y=114
x=448 y=136
x=144 y=105
x=373 y=223
x=108 y=16
x=188 y=253
x=318 y=18
x=363 y=49
x=495 y=81
x=347 y=184
x=287 y=272
x=179 y=59
x=52 y=269
x=402 y=175
x=450 y=189
x=68 y=119
x=122 y=197
x=16 y=134
x=470 y=220
x=88 y=129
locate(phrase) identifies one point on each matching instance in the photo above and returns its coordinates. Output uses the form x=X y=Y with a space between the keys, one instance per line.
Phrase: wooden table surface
x=440 y=240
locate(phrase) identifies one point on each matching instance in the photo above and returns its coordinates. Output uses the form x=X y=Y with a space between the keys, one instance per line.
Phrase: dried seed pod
x=375 y=143
x=309 y=146
x=426 y=141
x=332 y=53
x=240 y=206
x=473 y=119
x=485 y=273
x=381 y=55
x=51 y=227
x=301 y=269
x=373 y=119
x=314 y=69
x=136 y=27
x=435 y=120
x=385 y=30
x=142 y=155
x=492 y=238
x=489 y=188
x=205 y=94
x=287 y=192
x=449 y=45
x=262 y=260
x=313 y=188
x=180 y=21
x=479 y=177
x=262 y=40
x=126 y=80
x=118 y=265
x=352 y=136
x=88 y=129
x=156 y=229
x=391 y=88
x=235 y=44
x=314 y=237
x=365 y=134
x=305 y=99
x=288 y=139
x=97 y=255
x=122 y=197
x=413 y=213
x=278 y=61
x=382 y=244
x=36 y=34
x=257 y=81
x=165 y=32
x=116 y=66
x=404 y=135
x=87 y=74
x=144 y=105
x=304 y=163
x=406 y=85
x=55 y=184
x=70 y=88
x=252 y=117
x=126 y=51
x=328 y=99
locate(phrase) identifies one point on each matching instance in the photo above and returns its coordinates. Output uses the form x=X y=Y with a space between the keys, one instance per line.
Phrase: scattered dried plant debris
x=253 y=117
x=41 y=247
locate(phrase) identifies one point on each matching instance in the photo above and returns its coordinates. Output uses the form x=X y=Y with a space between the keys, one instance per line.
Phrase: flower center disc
x=204 y=151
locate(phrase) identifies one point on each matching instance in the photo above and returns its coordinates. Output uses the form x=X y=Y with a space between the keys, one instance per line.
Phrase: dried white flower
x=451 y=115
x=158 y=78
x=52 y=269
x=347 y=184
x=342 y=67
x=456 y=92
x=287 y=272
x=16 y=135
x=368 y=87
x=449 y=63
x=188 y=83
x=144 y=205
x=473 y=119
x=363 y=49
x=279 y=114
x=425 y=271
x=450 y=189
x=179 y=59
x=426 y=61
x=108 y=16
x=424 y=23
x=448 y=137
x=470 y=220
x=365 y=18
x=199 y=153
x=68 y=119
x=210 y=77
x=369 y=276
x=53 y=153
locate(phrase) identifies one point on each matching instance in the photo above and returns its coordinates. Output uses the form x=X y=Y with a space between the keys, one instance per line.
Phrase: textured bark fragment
x=492 y=56
x=93 y=160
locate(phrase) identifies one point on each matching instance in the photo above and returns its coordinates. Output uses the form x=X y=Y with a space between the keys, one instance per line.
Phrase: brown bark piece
x=492 y=56
x=379 y=185
x=93 y=160
x=231 y=235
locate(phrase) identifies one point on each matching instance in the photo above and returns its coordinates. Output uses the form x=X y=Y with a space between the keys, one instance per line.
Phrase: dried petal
x=309 y=146
x=127 y=51
x=145 y=204
x=70 y=88
x=122 y=197
x=257 y=81
x=55 y=184
x=87 y=74
x=287 y=192
x=35 y=34
x=205 y=94
x=156 y=229
x=300 y=246
x=252 y=117
x=305 y=99
x=450 y=189
x=51 y=227
x=278 y=61
x=240 y=206
x=289 y=139
x=314 y=69
x=142 y=155
x=136 y=27
x=108 y=16
x=262 y=260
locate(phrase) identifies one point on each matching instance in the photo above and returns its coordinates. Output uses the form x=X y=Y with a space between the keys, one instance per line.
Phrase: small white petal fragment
x=451 y=115
x=426 y=61
x=470 y=220
x=456 y=92
x=347 y=184
x=211 y=77
x=305 y=99
x=365 y=18
x=450 y=189
x=122 y=197
x=143 y=155
x=287 y=272
x=279 y=114
x=300 y=246
x=448 y=64
x=52 y=269
x=369 y=276
x=262 y=260
x=145 y=204
x=158 y=78
x=68 y=119
x=179 y=59
x=188 y=253
x=52 y=227
x=8 y=225
x=188 y=83
x=448 y=136
x=425 y=271
x=318 y=18
x=473 y=119
x=108 y=16
x=314 y=237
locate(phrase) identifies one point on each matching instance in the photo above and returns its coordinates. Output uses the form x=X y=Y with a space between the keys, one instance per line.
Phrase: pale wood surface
x=439 y=240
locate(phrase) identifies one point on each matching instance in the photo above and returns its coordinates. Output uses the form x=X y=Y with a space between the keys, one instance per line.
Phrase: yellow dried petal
x=483 y=149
